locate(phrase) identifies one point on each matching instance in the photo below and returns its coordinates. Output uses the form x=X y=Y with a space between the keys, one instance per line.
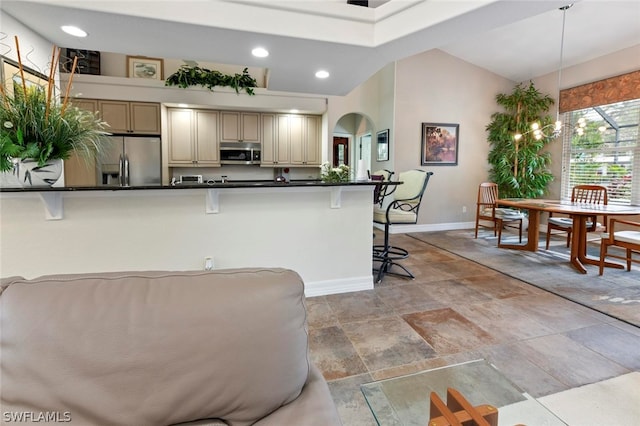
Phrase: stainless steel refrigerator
x=130 y=161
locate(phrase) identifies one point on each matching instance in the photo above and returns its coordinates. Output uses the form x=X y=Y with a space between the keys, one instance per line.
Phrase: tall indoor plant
x=38 y=127
x=519 y=165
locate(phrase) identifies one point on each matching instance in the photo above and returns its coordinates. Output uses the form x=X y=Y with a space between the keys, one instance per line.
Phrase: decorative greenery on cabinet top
x=196 y=76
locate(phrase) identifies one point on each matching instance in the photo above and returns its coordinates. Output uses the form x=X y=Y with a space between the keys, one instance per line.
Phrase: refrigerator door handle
x=121 y=171
x=126 y=170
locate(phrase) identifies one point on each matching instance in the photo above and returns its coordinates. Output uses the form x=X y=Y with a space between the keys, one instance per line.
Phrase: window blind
x=601 y=147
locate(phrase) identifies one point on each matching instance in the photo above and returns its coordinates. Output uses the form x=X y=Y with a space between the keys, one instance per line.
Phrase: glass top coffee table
x=405 y=400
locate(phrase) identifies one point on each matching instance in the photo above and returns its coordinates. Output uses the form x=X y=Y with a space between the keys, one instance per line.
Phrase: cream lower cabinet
x=290 y=140
x=193 y=138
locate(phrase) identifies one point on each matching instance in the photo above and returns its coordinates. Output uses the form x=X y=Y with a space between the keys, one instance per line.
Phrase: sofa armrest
x=314 y=406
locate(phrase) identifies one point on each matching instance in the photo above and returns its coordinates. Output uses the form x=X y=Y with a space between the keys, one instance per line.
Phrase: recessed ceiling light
x=322 y=74
x=74 y=31
x=260 y=52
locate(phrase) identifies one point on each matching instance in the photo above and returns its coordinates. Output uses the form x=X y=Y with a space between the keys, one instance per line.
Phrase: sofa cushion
x=154 y=348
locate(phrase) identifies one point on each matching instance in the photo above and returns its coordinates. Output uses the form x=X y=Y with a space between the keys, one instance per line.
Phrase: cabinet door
x=181 y=143
x=312 y=131
x=269 y=146
x=296 y=135
x=206 y=131
x=79 y=170
x=145 y=118
x=283 y=141
x=239 y=126
x=85 y=104
x=229 y=126
x=116 y=113
x=250 y=127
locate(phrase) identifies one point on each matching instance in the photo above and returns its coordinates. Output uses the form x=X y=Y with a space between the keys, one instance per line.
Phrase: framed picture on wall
x=440 y=144
x=143 y=67
x=383 y=145
x=10 y=75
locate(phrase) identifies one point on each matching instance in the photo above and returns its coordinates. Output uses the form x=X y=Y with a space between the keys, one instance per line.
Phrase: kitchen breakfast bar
x=321 y=230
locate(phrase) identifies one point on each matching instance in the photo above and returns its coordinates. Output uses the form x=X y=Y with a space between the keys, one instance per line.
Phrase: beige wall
x=35 y=50
x=438 y=88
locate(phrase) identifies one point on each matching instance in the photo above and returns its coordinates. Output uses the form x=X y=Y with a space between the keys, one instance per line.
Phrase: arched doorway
x=352 y=138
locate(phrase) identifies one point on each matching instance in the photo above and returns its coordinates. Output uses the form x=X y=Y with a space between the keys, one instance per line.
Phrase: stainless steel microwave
x=240 y=153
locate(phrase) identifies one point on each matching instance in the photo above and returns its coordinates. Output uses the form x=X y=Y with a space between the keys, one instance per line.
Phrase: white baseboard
x=404 y=229
x=342 y=285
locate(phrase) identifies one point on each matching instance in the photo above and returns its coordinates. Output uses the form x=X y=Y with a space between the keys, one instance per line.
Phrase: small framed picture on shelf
x=143 y=67
x=383 y=145
x=439 y=144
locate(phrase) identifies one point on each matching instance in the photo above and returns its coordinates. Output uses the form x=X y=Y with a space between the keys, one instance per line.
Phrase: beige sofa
x=160 y=348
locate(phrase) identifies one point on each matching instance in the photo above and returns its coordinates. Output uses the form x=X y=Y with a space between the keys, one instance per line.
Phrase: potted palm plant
x=39 y=129
x=519 y=162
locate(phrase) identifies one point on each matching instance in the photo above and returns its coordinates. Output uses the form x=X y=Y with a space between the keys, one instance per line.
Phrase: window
x=601 y=146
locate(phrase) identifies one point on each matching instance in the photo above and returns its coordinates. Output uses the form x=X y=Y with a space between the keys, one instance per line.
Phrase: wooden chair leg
x=548 y=237
x=603 y=254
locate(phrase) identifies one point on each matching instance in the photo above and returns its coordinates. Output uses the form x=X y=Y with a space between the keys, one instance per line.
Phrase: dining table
x=579 y=213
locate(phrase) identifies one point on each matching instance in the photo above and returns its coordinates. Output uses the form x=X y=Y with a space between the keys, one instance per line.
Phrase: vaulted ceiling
x=519 y=40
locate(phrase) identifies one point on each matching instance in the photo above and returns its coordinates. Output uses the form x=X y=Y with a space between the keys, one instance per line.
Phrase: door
x=340 y=151
x=363 y=153
x=143 y=155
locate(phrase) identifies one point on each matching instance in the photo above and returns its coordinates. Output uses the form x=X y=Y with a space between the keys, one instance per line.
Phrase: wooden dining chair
x=627 y=239
x=488 y=211
x=586 y=194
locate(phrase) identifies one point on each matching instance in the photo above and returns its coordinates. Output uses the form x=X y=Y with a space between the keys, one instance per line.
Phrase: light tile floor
x=457 y=310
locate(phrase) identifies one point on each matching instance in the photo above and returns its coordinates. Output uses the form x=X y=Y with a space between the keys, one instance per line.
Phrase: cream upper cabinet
x=193 y=138
x=239 y=126
x=145 y=118
x=291 y=140
x=207 y=143
x=85 y=104
x=305 y=140
x=131 y=117
x=269 y=142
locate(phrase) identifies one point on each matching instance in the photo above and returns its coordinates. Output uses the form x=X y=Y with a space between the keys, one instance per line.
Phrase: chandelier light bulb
x=517 y=136
x=535 y=126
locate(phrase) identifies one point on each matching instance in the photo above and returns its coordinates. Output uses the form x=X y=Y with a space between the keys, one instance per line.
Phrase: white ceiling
x=519 y=40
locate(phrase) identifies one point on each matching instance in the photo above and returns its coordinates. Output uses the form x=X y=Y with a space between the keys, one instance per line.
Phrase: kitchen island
x=321 y=230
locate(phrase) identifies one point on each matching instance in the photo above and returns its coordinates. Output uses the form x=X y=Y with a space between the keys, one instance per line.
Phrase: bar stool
x=403 y=209
x=380 y=191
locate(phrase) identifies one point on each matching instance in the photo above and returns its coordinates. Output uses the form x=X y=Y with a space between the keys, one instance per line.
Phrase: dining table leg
x=579 y=256
x=533 y=236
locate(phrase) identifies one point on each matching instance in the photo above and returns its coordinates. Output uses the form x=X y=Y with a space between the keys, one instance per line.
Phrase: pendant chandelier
x=551 y=130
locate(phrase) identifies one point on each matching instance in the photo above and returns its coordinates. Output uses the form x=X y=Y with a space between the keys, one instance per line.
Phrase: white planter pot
x=30 y=175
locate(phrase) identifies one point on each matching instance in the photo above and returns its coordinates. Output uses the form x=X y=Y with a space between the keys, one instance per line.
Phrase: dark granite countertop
x=217 y=185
